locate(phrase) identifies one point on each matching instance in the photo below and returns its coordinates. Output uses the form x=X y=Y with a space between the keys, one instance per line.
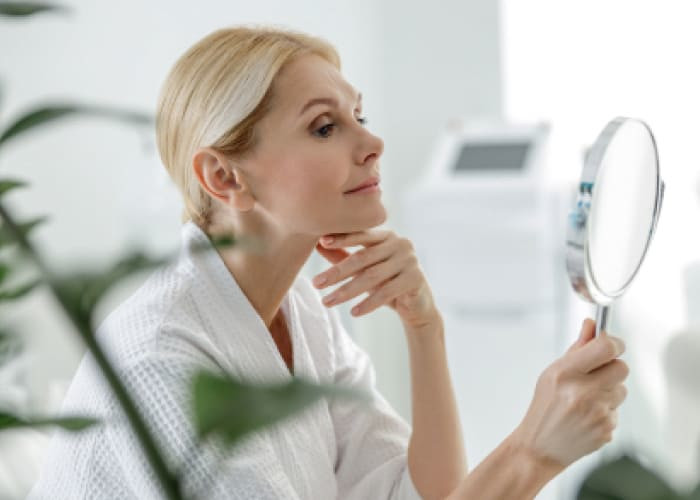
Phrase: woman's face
x=313 y=149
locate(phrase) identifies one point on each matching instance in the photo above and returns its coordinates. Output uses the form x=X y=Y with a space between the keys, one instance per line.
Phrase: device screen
x=494 y=156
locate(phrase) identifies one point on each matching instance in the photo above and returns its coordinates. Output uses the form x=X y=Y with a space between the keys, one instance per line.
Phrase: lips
x=372 y=181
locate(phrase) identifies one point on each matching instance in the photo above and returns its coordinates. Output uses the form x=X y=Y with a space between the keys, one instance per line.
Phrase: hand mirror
x=615 y=217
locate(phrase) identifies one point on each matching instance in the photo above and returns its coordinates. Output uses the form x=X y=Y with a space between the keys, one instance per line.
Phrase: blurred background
x=486 y=109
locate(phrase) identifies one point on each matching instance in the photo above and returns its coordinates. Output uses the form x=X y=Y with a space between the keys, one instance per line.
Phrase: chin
x=376 y=219
x=359 y=222
x=381 y=216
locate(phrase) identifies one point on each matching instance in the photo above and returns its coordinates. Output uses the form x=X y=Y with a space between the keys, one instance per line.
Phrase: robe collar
x=235 y=327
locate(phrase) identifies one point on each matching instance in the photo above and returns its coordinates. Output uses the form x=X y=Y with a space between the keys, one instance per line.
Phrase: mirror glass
x=623 y=205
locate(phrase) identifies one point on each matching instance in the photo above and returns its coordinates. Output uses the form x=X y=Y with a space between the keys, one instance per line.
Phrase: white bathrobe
x=192 y=314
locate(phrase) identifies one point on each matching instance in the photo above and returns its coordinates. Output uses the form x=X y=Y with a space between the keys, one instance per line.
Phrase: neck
x=266 y=273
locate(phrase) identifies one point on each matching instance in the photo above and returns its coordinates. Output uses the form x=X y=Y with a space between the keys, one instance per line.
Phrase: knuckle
x=412 y=259
x=599 y=413
x=379 y=296
x=624 y=369
x=623 y=392
x=406 y=243
x=606 y=430
x=551 y=377
x=359 y=257
x=371 y=273
x=573 y=405
x=555 y=374
x=609 y=426
x=619 y=344
x=619 y=394
x=569 y=397
x=609 y=348
x=606 y=436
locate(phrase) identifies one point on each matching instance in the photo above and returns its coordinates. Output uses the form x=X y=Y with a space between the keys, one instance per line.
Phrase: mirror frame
x=577 y=256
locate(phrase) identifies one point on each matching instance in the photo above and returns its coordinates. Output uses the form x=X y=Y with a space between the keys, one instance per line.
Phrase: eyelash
x=361 y=120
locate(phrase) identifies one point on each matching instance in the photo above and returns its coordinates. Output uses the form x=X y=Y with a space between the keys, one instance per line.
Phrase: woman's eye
x=325 y=131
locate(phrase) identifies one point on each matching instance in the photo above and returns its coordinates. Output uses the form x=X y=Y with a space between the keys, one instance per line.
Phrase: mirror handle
x=601 y=320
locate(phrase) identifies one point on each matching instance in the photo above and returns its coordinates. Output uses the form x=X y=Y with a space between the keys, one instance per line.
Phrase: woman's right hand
x=574 y=409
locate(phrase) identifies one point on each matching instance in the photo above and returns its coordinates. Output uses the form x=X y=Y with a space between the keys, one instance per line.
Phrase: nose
x=369 y=149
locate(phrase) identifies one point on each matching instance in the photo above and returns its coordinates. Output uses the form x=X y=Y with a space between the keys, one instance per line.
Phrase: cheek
x=314 y=178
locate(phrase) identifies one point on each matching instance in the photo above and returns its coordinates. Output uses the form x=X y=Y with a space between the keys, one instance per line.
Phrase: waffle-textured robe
x=190 y=315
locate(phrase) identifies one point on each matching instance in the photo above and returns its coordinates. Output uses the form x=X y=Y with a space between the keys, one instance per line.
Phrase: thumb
x=587 y=334
x=333 y=255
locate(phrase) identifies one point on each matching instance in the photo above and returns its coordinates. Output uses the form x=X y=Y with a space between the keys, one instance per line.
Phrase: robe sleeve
x=372 y=439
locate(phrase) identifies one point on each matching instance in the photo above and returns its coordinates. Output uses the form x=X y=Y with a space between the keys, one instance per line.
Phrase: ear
x=218 y=177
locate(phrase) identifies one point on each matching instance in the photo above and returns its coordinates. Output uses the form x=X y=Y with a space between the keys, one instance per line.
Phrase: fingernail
x=320 y=279
x=327 y=240
x=329 y=299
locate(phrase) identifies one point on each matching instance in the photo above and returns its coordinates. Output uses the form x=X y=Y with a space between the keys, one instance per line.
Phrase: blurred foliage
x=626 y=479
x=46 y=114
x=8 y=421
x=223 y=406
x=231 y=409
x=24 y=9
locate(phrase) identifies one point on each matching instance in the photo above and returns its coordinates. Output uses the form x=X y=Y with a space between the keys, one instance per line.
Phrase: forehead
x=308 y=77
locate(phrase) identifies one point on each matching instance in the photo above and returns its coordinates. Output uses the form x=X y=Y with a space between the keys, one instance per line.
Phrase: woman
x=265 y=139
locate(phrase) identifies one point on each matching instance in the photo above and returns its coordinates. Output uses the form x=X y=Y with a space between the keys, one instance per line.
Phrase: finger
x=595 y=353
x=332 y=255
x=384 y=294
x=587 y=334
x=607 y=426
x=616 y=396
x=365 y=281
x=368 y=237
x=609 y=375
x=353 y=264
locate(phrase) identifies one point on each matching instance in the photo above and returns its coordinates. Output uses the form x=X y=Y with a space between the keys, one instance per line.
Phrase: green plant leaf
x=84 y=289
x=695 y=494
x=625 y=479
x=4 y=271
x=49 y=113
x=20 y=9
x=10 y=345
x=231 y=409
x=7 y=237
x=6 y=295
x=8 y=184
x=73 y=424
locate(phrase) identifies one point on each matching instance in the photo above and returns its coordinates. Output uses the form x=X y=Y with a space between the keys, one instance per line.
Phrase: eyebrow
x=325 y=100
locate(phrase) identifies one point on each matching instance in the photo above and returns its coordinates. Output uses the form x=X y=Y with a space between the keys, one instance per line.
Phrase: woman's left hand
x=386 y=268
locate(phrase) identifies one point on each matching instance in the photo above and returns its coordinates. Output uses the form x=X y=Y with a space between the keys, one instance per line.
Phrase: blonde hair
x=214 y=96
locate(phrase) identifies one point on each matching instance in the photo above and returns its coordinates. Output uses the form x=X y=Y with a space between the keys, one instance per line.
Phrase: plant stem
x=168 y=481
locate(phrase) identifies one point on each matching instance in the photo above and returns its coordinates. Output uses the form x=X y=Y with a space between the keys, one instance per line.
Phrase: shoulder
x=159 y=319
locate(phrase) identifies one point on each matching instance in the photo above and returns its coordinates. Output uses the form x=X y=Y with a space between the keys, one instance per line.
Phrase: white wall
x=436 y=63
x=577 y=65
x=104 y=188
